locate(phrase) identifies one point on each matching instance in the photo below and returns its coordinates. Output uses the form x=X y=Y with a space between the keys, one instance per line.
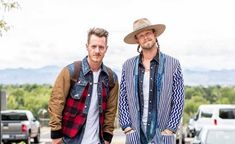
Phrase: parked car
x=215 y=135
x=190 y=130
x=213 y=114
x=19 y=125
x=180 y=135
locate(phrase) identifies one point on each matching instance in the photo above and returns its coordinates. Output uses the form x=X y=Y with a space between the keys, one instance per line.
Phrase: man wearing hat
x=151 y=90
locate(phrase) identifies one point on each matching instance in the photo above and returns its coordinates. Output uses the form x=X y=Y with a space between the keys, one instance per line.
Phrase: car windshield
x=14 y=117
x=220 y=137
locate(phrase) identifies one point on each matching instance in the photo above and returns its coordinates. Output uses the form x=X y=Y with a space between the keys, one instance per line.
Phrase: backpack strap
x=111 y=79
x=77 y=68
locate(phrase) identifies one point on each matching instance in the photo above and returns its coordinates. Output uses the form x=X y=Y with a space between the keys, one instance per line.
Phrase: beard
x=148 y=45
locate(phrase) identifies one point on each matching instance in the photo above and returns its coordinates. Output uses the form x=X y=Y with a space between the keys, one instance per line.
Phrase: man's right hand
x=57 y=141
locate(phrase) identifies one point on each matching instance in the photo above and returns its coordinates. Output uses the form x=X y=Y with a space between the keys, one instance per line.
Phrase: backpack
x=77 y=69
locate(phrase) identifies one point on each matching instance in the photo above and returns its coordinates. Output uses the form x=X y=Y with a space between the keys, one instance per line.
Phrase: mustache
x=97 y=54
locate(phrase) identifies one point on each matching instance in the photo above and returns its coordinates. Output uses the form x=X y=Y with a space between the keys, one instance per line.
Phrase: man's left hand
x=166 y=132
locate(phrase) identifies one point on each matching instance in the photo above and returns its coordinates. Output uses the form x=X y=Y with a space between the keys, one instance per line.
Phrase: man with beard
x=151 y=89
x=83 y=101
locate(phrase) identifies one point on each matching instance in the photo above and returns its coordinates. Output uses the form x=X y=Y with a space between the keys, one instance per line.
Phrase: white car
x=213 y=115
x=180 y=135
x=215 y=135
x=190 y=130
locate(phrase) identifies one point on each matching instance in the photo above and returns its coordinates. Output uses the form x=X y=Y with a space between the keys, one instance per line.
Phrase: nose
x=145 y=36
x=97 y=49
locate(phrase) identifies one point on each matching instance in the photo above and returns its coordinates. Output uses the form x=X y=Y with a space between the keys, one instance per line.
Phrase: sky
x=200 y=33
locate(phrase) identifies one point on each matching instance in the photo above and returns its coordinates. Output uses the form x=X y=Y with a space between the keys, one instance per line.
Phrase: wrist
x=108 y=136
x=167 y=131
x=127 y=130
x=56 y=134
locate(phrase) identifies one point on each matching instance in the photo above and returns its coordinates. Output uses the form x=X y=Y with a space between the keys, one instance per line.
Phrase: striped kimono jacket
x=170 y=101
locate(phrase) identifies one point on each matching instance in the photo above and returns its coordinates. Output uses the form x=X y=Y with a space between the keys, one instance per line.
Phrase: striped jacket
x=170 y=106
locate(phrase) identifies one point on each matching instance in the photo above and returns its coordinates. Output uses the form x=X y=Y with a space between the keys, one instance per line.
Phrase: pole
x=1 y=116
x=2 y=107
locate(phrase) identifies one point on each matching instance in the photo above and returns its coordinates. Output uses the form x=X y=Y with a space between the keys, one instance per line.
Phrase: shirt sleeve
x=111 y=111
x=124 y=115
x=177 y=100
x=57 y=102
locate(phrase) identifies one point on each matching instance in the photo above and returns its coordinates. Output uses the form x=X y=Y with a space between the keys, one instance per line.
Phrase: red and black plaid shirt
x=74 y=116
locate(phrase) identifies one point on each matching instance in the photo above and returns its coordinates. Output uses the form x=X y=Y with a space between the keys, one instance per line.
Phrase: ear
x=155 y=34
x=137 y=41
x=86 y=46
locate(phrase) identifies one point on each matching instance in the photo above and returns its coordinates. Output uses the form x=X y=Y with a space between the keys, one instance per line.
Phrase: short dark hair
x=100 y=32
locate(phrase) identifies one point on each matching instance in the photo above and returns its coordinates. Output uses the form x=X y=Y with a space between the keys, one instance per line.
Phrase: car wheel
x=6 y=142
x=27 y=141
x=183 y=140
x=189 y=134
x=37 y=138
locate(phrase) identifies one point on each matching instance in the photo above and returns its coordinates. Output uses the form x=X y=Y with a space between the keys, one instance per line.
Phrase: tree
x=191 y=106
x=6 y=6
x=32 y=97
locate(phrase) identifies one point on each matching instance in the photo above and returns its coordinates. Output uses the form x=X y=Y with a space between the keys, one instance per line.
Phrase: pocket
x=169 y=139
x=78 y=89
x=132 y=138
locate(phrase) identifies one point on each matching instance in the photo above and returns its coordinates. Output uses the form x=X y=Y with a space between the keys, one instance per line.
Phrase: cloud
x=54 y=32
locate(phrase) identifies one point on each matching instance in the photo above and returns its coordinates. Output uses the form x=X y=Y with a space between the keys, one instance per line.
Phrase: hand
x=57 y=141
x=166 y=132
x=106 y=142
x=131 y=131
x=128 y=130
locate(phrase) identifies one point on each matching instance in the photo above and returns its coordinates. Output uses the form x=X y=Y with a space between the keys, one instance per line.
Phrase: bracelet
x=125 y=132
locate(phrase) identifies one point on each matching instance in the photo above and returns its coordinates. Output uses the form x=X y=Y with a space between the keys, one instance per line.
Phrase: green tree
x=6 y=6
x=229 y=94
x=189 y=92
x=11 y=102
x=31 y=97
x=191 y=106
x=18 y=95
x=223 y=100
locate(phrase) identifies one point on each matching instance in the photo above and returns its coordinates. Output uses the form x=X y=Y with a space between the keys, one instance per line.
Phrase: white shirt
x=91 y=134
x=146 y=98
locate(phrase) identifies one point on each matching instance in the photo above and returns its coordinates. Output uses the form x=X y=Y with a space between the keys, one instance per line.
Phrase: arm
x=177 y=100
x=124 y=115
x=111 y=111
x=57 y=102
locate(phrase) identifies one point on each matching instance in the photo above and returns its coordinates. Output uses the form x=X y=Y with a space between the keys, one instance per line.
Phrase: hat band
x=142 y=26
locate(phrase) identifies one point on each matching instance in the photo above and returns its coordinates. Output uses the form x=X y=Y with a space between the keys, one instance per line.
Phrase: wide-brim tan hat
x=141 y=25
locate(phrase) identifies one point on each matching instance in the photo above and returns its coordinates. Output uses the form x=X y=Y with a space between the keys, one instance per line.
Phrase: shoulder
x=130 y=62
x=70 y=67
x=170 y=58
x=111 y=71
x=172 y=64
x=171 y=61
x=75 y=67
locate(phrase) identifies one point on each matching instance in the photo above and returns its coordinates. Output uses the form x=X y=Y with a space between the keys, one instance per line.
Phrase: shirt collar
x=86 y=68
x=155 y=58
